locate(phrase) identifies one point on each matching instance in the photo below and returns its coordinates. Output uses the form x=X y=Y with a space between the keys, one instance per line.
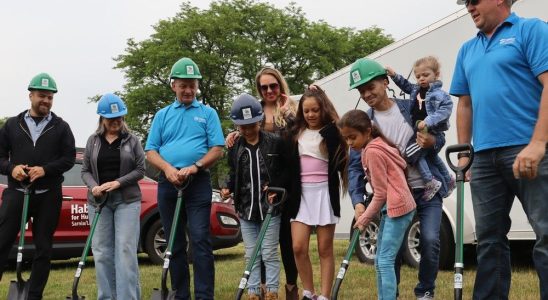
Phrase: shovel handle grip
x=277 y=190
x=460 y=148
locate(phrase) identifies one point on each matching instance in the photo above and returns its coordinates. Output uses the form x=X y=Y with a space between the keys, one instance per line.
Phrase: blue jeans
x=195 y=213
x=390 y=238
x=493 y=190
x=424 y=169
x=114 y=246
x=429 y=214
x=268 y=253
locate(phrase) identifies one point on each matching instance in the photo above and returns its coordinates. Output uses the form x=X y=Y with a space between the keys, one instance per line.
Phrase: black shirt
x=108 y=160
x=419 y=111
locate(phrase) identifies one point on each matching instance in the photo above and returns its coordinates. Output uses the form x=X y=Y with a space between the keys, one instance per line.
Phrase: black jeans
x=44 y=209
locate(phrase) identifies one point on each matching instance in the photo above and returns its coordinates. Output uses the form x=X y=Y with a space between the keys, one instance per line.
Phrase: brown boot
x=271 y=296
x=292 y=294
x=253 y=297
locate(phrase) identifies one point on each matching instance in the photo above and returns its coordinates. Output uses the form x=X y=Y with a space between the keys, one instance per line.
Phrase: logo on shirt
x=356 y=76
x=199 y=120
x=507 y=41
x=190 y=70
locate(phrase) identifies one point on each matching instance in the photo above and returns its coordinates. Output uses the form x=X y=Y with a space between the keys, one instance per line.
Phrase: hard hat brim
x=248 y=121
x=42 y=89
x=114 y=115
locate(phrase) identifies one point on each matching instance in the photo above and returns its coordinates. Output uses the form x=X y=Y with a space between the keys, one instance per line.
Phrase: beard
x=40 y=110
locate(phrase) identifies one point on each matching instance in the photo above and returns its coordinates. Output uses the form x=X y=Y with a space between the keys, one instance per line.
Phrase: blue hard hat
x=246 y=109
x=111 y=106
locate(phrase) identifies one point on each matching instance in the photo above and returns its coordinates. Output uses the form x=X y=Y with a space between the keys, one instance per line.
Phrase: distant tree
x=3 y=121
x=231 y=41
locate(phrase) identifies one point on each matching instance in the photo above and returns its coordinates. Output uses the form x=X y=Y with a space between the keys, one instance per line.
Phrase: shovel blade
x=157 y=295
x=18 y=291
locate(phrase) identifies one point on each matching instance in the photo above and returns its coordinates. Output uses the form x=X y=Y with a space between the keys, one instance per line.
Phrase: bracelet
x=463 y=154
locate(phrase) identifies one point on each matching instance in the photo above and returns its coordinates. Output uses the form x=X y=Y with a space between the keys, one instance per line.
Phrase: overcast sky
x=75 y=41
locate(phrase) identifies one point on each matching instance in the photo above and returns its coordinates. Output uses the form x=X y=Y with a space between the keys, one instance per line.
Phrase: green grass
x=360 y=282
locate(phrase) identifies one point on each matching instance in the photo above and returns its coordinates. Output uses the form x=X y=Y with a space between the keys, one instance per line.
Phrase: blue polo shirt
x=184 y=134
x=500 y=75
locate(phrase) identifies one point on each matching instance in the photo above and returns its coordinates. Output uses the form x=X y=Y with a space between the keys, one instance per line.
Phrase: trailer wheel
x=156 y=243
x=367 y=244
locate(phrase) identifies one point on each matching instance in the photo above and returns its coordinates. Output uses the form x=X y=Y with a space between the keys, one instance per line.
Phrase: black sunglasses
x=473 y=2
x=272 y=86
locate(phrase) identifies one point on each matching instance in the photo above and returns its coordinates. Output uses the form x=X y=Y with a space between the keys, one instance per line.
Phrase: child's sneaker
x=431 y=188
x=253 y=297
x=452 y=185
x=271 y=296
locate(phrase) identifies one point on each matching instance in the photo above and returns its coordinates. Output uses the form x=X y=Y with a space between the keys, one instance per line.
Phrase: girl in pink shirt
x=385 y=170
x=317 y=172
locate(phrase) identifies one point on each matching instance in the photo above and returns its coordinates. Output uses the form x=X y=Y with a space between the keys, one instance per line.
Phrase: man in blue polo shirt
x=186 y=139
x=501 y=80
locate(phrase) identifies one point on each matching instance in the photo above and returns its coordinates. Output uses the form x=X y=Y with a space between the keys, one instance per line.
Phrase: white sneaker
x=431 y=188
x=426 y=296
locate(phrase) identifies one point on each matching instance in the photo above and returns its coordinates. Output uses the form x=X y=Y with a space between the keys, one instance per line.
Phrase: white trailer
x=443 y=40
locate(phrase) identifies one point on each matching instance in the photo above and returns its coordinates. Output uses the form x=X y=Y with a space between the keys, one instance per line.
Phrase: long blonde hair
x=279 y=119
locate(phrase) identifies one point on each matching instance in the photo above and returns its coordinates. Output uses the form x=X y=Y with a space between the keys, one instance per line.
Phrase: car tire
x=411 y=254
x=156 y=243
x=367 y=244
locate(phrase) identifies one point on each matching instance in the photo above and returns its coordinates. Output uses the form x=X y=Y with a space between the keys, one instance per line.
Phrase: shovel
x=264 y=227
x=19 y=289
x=460 y=172
x=81 y=264
x=346 y=261
x=164 y=293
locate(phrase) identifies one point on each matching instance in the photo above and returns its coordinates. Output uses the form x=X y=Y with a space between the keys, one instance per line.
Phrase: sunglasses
x=272 y=86
x=473 y=2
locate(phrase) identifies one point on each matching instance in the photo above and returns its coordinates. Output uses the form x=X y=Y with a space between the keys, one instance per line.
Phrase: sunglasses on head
x=272 y=86
x=473 y=2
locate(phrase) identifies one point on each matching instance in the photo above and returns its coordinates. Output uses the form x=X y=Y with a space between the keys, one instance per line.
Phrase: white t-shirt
x=309 y=144
x=394 y=127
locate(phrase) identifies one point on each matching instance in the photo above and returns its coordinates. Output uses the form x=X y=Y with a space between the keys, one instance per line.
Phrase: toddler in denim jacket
x=430 y=112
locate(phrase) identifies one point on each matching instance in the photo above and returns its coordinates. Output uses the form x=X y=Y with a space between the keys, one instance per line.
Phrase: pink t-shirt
x=313 y=169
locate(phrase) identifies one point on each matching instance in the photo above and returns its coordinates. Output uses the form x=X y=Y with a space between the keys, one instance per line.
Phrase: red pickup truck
x=73 y=229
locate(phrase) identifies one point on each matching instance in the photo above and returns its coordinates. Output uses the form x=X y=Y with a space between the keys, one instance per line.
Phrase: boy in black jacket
x=256 y=162
x=36 y=146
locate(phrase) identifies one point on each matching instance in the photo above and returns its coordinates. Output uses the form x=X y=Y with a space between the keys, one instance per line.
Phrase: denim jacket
x=356 y=174
x=439 y=105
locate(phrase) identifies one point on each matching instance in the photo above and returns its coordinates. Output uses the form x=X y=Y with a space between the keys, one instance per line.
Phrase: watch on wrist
x=199 y=165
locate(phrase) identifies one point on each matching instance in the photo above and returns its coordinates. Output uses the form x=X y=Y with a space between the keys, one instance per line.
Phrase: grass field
x=359 y=282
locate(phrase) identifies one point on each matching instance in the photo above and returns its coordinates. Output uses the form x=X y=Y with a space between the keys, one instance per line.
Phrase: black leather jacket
x=272 y=162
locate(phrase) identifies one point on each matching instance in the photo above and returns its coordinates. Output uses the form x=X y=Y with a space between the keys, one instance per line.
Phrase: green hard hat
x=185 y=68
x=363 y=70
x=43 y=81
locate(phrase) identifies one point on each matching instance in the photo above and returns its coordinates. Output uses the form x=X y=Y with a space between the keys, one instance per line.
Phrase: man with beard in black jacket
x=38 y=147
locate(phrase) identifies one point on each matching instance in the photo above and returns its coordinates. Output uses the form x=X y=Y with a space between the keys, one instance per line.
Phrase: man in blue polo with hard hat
x=186 y=139
x=36 y=146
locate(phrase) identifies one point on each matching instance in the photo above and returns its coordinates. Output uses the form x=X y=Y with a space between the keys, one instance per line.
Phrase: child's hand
x=390 y=71
x=421 y=126
x=271 y=197
x=358 y=211
x=225 y=193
